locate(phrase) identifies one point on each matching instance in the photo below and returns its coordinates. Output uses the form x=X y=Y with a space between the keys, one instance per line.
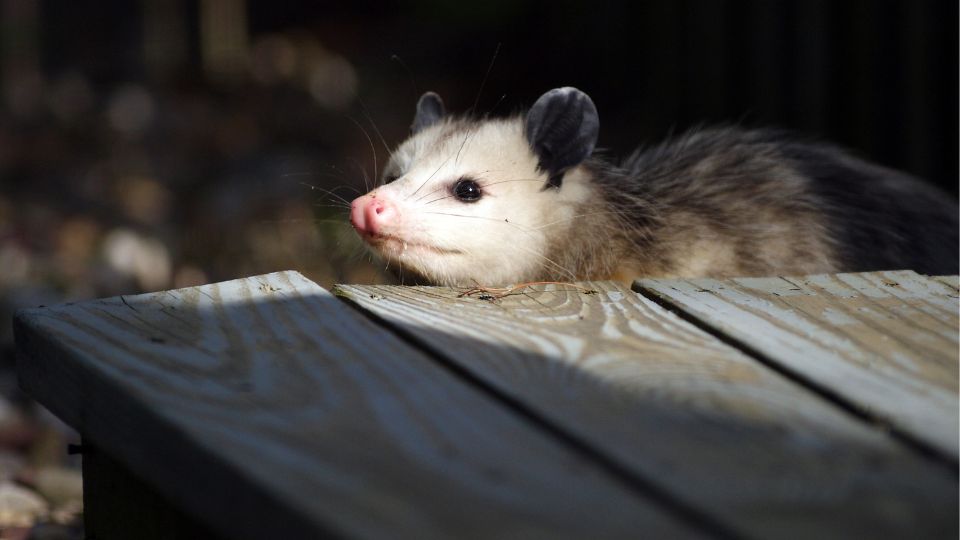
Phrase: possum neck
x=608 y=228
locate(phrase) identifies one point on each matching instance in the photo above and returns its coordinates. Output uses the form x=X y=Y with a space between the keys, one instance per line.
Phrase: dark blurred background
x=158 y=143
x=152 y=144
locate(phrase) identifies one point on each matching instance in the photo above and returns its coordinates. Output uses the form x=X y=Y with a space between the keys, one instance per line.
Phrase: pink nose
x=370 y=213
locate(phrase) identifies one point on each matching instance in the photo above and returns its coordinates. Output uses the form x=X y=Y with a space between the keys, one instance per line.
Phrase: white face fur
x=468 y=206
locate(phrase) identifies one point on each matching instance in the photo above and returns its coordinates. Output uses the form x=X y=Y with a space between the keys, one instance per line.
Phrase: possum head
x=474 y=202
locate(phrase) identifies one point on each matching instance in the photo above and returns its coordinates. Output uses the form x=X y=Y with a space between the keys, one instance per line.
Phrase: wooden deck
x=814 y=407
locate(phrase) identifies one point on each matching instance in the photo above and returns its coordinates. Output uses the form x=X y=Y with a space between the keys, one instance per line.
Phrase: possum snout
x=369 y=214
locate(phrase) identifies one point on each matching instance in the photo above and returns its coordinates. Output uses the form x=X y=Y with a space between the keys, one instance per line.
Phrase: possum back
x=785 y=205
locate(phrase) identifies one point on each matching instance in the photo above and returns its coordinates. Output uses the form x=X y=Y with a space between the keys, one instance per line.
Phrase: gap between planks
x=375 y=303
x=241 y=356
x=654 y=290
x=622 y=474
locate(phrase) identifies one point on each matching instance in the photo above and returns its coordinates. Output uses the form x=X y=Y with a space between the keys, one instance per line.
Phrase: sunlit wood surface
x=267 y=407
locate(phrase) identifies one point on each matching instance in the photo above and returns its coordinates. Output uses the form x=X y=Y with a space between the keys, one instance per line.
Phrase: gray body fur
x=762 y=203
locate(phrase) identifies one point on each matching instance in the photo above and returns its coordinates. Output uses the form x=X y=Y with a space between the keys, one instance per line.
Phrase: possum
x=502 y=201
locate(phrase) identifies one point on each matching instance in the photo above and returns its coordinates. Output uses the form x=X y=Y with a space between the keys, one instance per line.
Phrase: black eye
x=467 y=190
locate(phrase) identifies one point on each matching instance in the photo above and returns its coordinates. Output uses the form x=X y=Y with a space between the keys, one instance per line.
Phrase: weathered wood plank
x=269 y=409
x=885 y=342
x=680 y=410
x=951 y=281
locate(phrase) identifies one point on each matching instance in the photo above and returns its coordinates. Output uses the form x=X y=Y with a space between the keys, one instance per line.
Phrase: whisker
x=495 y=105
x=428 y=178
x=291 y=174
x=339 y=177
x=464 y=143
x=373 y=124
x=485 y=218
x=289 y=221
x=567 y=273
x=335 y=197
x=573 y=217
x=413 y=80
x=512 y=180
x=431 y=192
x=438 y=188
x=435 y=200
x=336 y=206
x=482 y=186
x=370 y=141
x=486 y=75
x=363 y=172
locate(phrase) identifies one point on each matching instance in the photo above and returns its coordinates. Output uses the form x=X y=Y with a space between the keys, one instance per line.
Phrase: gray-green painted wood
x=267 y=408
x=681 y=410
x=886 y=342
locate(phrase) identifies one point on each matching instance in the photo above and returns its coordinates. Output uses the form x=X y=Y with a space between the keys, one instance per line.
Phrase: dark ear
x=562 y=128
x=429 y=111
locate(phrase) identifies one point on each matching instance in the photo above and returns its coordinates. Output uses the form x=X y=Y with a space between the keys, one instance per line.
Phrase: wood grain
x=885 y=342
x=951 y=281
x=269 y=409
x=680 y=410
